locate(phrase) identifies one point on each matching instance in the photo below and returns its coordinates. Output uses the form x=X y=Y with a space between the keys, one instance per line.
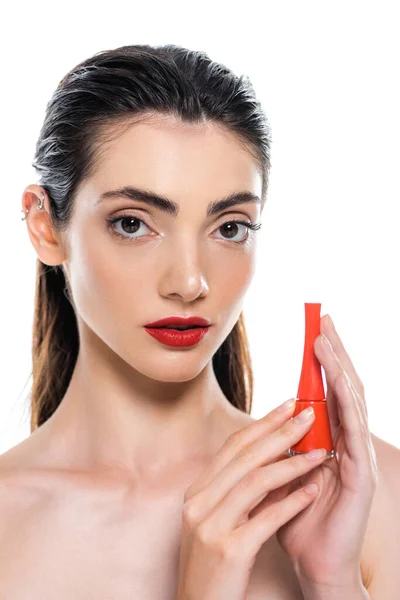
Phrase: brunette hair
x=118 y=87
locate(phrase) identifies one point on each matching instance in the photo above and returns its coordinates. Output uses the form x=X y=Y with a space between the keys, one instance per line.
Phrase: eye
x=231 y=229
x=129 y=224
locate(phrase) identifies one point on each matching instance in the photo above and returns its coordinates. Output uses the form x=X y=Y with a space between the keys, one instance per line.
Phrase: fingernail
x=305 y=415
x=314 y=454
x=286 y=405
x=330 y=323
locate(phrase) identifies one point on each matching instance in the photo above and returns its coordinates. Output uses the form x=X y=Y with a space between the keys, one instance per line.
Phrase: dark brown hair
x=118 y=87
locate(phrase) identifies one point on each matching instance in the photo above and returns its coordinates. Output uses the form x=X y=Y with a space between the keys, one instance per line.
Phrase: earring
x=40 y=206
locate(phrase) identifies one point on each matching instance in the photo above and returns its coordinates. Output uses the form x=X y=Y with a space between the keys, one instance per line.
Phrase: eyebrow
x=171 y=207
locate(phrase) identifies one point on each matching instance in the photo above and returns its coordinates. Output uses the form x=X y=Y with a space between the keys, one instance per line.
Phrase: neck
x=114 y=417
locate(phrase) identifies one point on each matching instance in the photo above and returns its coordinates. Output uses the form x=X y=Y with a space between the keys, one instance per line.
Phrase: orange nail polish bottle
x=311 y=390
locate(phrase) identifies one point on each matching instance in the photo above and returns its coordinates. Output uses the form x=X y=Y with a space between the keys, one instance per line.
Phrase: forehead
x=175 y=158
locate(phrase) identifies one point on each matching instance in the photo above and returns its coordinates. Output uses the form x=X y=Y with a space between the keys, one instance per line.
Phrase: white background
x=328 y=77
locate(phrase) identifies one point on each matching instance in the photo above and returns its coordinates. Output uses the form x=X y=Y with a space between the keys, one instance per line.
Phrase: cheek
x=114 y=285
x=106 y=282
x=231 y=278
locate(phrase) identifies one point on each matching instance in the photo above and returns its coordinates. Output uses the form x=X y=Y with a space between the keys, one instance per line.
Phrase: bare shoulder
x=388 y=459
x=22 y=488
x=387 y=494
x=382 y=541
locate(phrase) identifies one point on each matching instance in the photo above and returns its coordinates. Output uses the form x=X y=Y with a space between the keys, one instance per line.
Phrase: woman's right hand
x=223 y=523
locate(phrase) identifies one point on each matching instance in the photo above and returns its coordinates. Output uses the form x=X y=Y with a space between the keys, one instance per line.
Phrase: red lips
x=180 y=321
x=198 y=328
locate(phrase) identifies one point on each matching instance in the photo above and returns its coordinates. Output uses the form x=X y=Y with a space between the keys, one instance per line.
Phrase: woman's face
x=152 y=264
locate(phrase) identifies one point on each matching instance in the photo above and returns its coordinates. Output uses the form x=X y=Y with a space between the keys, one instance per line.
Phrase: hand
x=220 y=536
x=325 y=541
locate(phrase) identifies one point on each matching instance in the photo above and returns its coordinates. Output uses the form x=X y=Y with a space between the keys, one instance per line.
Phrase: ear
x=47 y=242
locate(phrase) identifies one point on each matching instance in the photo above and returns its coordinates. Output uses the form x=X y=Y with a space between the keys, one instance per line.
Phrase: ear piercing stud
x=40 y=206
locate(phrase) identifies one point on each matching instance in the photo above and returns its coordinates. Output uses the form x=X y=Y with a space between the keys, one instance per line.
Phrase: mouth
x=177 y=335
x=180 y=323
x=178 y=327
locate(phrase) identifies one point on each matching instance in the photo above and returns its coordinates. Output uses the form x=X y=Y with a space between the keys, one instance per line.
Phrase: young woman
x=144 y=476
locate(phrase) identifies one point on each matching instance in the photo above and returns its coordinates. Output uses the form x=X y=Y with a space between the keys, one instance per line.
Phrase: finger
x=365 y=432
x=328 y=329
x=333 y=367
x=356 y=433
x=254 y=487
x=330 y=367
x=248 y=458
x=253 y=533
x=333 y=413
x=260 y=429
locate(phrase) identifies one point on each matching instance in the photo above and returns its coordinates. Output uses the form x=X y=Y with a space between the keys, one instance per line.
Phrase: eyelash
x=252 y=227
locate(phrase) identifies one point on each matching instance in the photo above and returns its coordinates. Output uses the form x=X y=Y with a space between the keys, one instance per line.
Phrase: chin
x=162 y=363
x=169 y=375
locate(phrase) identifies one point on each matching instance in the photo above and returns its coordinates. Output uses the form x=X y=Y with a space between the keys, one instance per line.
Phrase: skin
x=131 y=398
x=140 y=422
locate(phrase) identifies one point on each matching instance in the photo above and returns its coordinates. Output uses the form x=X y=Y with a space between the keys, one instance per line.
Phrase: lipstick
x=177 y=338
x=311 y=390
x=179 y=331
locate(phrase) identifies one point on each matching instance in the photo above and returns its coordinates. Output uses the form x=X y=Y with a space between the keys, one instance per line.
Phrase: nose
x=184 y=276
